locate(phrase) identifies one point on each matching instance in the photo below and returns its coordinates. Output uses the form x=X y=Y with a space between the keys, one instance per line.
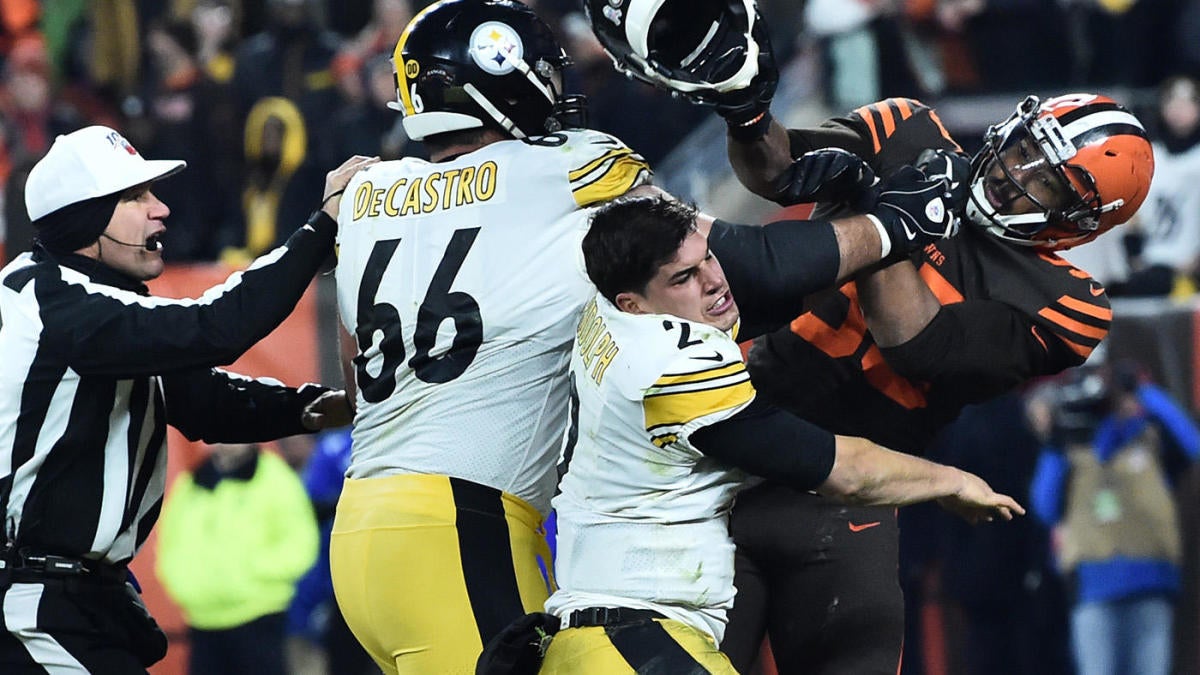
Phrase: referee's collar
x=92 y=268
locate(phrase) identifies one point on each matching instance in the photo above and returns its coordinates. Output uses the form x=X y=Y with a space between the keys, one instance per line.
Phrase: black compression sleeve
x=771 y=268
x=766 y=441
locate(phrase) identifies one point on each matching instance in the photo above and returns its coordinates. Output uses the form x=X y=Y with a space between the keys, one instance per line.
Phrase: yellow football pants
x=427 y=569
x=655 y=646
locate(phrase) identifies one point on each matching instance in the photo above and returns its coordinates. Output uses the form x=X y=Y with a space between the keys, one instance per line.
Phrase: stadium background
x=95 y=63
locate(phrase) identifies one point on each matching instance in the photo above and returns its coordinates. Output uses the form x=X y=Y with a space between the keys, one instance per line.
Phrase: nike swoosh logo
x=864 y=526
x=716 y=356
x=1097 y=291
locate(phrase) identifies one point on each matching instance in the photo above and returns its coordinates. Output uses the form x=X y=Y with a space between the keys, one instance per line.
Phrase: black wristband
x=319 y=219
x=756 y=128
x=331 y=195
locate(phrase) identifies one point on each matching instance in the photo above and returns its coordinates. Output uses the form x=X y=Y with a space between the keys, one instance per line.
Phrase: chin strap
x=569 y=112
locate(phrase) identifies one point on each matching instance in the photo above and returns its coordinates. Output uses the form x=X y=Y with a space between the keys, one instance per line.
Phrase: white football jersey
x=1170 y=215
x=642 y=514
x=462 y=283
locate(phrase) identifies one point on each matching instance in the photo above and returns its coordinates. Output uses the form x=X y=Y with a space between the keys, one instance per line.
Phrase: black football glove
x=829 y=175
x=916 y=210
x=742 y=107
x=953 y=167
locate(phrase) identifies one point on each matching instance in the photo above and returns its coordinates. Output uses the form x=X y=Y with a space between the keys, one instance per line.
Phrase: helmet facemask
x=1030 y=185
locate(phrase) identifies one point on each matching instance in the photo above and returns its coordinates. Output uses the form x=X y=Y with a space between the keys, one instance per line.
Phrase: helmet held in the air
x=698 y=48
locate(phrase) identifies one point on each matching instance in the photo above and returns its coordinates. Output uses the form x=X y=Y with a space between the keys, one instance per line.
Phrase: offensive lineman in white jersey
x=645 y=560
x=461 y=281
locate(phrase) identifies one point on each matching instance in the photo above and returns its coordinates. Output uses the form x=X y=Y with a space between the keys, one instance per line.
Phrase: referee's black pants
x=74 y=625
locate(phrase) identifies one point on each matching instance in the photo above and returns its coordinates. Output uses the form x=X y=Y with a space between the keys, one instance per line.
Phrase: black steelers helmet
x=698 y=48
x=464 y=64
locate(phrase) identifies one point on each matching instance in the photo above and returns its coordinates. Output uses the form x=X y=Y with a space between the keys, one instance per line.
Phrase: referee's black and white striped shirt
x=92 y=369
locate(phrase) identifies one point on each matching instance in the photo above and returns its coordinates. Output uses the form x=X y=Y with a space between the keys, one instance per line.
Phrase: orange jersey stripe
x=835 y=343
x=1087 y=308
x=945 y=134
x=942 y=289
x=1072 y=325
x=865 y=113
x=1079 y=349
x=886 y=381
x=1053 y=259
x=889 y=122
x=904 y=108
x=1033 y=329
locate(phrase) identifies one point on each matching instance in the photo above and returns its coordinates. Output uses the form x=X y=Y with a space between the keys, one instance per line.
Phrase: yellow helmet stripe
x=402 y=86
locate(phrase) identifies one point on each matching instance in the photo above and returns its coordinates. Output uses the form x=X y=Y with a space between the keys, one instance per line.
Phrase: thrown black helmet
x=697 y=48
x=465 y=64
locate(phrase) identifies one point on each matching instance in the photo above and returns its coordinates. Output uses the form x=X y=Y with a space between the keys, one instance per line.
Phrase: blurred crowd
x=261 y=97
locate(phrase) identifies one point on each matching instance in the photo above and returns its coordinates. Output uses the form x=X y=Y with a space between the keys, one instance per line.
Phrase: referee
x=93 y=369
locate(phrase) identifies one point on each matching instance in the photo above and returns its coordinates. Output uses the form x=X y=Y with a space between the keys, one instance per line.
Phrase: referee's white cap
x=91 y=162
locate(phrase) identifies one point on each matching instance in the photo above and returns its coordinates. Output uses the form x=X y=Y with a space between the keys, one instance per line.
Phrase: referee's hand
x=329 y=410
x=337 y=180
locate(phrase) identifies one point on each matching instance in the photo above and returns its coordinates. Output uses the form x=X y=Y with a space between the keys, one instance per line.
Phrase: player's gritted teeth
x=722 y=304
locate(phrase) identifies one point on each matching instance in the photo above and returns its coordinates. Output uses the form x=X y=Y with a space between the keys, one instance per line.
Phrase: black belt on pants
x=609 y=616
x=24 y=565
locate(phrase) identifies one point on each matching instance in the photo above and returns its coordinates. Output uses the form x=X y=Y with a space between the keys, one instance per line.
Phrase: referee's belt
x=27 y=565
x=609 y=616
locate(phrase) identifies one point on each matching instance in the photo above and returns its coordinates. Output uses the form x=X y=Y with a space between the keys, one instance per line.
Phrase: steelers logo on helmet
x=480 y=63
x=496 y=48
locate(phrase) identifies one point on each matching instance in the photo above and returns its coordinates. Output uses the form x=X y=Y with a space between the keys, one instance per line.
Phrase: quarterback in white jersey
x=461 y=280
x=645 y=382
x=660 y=448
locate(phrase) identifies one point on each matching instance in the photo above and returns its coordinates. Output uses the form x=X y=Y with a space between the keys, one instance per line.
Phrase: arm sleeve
x=770 y=269
x=835 y=133
x=766 y=441
x=123 y=334
x=976 y=349
x=888 y=134
x=1046 y=489
x=603 y=168
x=1173 y=418
x=219 y=407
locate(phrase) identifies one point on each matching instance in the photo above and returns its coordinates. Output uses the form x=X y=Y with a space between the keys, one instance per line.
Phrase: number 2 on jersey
x=439 y=304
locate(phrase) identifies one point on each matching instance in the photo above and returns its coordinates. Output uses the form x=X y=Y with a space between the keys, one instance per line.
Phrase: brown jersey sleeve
x=888 y=134
x=1077 y=315
x=977 y=349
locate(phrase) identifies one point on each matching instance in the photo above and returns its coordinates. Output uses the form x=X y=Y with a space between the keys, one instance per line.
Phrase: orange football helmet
x=1060 y=172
